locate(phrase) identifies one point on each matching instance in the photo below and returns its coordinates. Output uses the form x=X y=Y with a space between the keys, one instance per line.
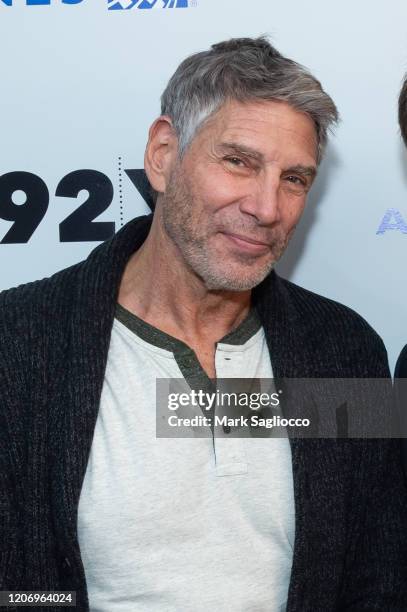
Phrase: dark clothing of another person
x=401 y=398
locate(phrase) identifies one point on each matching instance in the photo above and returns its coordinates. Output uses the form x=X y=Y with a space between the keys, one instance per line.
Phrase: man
x=401 y=365
x=94 y=501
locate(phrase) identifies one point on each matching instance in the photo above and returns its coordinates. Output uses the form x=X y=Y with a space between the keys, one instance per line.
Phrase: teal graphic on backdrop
x=115 y=5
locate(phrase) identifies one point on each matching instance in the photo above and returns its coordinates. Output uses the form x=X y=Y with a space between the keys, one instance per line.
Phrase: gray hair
x=403 y=110
x=242 y=69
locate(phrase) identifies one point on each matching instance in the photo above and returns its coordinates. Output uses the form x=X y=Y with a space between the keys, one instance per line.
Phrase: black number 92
x=79 y=226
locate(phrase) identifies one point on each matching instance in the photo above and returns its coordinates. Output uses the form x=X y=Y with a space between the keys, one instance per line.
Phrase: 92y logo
x=80 y=225
x=115 y=5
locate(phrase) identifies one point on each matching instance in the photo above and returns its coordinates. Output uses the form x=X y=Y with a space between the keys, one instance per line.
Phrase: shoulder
x=39 y=297
x=33 y=320
x=336 y=329
x=401 y=366
x=325 y=310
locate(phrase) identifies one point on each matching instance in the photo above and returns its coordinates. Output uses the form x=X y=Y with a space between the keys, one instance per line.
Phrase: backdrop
x=81 y=82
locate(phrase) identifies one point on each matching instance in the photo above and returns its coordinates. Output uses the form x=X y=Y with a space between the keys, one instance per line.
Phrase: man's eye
x=296 y=180
x=235 y=161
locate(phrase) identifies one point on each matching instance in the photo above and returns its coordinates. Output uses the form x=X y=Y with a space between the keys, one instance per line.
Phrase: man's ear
x=161 y=153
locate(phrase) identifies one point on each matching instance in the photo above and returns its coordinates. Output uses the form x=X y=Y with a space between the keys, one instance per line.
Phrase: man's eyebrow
x=304 y=170
x=235 y=147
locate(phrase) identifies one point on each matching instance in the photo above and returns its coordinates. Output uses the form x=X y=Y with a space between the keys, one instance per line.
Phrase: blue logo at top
x=115 y=5
x=40 y=2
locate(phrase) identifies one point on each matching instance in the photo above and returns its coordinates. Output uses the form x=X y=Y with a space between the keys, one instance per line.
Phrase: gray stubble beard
x=176 y=213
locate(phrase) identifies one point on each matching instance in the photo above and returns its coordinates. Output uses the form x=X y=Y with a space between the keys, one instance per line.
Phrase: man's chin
x=237 y=282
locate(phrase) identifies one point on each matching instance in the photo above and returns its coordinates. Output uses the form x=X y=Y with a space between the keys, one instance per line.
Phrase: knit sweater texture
x=350 y=549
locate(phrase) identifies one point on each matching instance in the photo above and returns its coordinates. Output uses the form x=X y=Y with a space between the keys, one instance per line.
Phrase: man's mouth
x=249 y=245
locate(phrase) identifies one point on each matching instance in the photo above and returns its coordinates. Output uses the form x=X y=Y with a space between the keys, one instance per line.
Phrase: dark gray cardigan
x=350 y=548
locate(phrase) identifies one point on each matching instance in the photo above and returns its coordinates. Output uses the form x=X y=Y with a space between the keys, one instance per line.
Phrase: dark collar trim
x=238 y=336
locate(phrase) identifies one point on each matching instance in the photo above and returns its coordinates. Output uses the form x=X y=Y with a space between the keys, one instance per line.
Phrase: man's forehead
x=256 y=128
x=235 y=113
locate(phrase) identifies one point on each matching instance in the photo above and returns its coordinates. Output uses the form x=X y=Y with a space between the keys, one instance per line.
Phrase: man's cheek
x=295 y=213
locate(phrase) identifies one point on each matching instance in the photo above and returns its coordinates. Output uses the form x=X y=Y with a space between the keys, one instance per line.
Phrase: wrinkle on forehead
x=268 y=127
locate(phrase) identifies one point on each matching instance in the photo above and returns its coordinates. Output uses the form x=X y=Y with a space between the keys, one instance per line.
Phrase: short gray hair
x=242 y=69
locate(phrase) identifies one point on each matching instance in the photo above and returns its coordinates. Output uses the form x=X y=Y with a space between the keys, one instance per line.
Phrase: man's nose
x=263 y=201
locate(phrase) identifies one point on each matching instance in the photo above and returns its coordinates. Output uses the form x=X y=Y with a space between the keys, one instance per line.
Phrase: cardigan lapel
x=284 y=335
x=97 y=281
x=322 y=483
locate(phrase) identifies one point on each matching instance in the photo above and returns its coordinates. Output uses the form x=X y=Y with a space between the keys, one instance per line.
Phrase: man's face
x=232 y=203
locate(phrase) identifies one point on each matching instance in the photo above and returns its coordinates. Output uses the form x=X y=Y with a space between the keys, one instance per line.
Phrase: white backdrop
x=80 y=85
